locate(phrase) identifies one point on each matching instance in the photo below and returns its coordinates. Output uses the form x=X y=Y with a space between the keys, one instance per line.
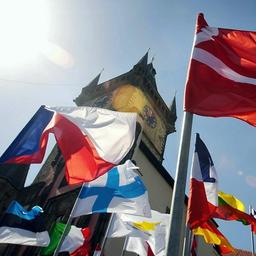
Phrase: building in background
x=134 y=91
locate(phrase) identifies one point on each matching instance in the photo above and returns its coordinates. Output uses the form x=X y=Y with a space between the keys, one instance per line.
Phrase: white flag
x=152 y=230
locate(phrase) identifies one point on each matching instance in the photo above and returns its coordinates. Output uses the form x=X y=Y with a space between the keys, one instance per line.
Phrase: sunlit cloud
x=251 y=181
x=58 y=55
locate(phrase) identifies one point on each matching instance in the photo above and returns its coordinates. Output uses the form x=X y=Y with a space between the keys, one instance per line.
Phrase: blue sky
x=86 y=36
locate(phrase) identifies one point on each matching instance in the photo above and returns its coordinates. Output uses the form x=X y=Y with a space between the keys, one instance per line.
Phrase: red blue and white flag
x=91 y=140
x=203 y=194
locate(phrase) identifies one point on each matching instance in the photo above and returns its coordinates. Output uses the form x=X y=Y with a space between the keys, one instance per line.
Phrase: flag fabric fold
x=212 y=235
x=19 y=226
x=91 y=140
x=138 y=246
x=119 y=190
x=76 y=241
x=152 y=230
x=203 y=197
x=231 y=208
x=221 y=77
x=253 y=225
x=203 y=194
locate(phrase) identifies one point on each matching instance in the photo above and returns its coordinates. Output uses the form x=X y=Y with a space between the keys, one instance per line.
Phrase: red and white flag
x=203 y=194
x=91 y=140
x=221 y=79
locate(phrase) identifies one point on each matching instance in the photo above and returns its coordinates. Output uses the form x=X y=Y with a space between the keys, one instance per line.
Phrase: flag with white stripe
x=119 y=190
x=221 y=80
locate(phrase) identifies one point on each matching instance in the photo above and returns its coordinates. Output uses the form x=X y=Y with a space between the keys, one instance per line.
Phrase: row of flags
x=82 y=134
x=206 y=202
x=76 y=240
x=108 y=187
x=145 y=229
x=218 y=55
x=220 y=82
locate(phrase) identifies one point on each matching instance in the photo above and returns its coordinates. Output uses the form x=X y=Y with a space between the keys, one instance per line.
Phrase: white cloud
x=251 y=181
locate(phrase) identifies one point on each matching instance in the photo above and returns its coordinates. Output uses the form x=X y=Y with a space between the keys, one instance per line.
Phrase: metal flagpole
x=106 y=233
x=187 y=243
x=57 y=250
x=176 y=240
x=125 y=244
x=252 y=236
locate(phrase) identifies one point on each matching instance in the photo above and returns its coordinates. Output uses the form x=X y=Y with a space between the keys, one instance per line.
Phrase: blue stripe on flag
x=205 y=160
x=112 y=189
x=16 y=209
x=28 y=140
x=18 y=217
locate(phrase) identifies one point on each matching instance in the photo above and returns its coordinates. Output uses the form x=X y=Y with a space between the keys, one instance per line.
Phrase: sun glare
x=24 y=29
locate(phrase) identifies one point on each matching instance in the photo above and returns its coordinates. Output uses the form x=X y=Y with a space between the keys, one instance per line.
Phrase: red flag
x=253 y=225
x=227 y=211
x=203 y=197
x=85 y=249
x=221 y=79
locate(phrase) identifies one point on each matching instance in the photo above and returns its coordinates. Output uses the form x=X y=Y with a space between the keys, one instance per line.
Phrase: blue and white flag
x=19 y=226
x=120 y=190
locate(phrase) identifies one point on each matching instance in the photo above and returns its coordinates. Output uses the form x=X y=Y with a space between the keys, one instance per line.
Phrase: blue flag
x=19 y=226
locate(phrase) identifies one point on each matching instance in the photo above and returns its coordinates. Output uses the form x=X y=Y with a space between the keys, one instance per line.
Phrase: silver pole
x=176 y=239
x=125 y=244
x=252 y=236
x=57 y=250
x=106 y=233
x=187 y=243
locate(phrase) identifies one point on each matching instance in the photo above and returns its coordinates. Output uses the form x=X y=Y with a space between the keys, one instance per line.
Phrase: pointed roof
x=173 y=109
x=144 y=60
x=95 y=81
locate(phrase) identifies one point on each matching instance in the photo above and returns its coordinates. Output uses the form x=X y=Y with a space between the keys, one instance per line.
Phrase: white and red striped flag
x=221 y=79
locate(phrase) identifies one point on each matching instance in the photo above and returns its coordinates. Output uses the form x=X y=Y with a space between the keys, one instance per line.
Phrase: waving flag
x=19 y=226
x=212 y=235
x=231 y=208
x=75 y=242
x=139 y=247
x=221 y=80
x=203 y=194
x=253 y=226
x=119 y=190
x=152 y=230
x=92 y=140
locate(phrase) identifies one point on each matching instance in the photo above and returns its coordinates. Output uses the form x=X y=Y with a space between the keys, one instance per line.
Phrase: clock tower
x=135 y=91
